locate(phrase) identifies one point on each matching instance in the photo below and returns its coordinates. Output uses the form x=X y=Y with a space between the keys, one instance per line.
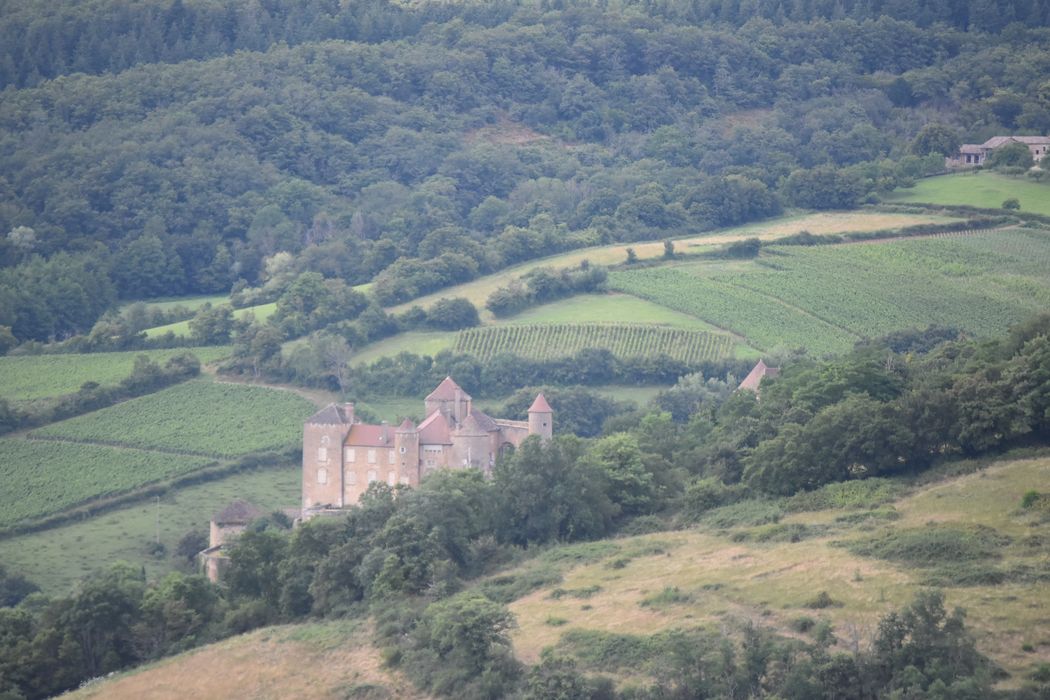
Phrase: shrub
x=933 y=545
x=821 y=601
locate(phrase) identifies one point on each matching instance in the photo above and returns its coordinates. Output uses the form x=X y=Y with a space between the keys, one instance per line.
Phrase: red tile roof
x=540 y=405
x=333 y=414
x=754 y=378
x=446 y=391
x=370 y=435
x=407 y=426
x=434 y=430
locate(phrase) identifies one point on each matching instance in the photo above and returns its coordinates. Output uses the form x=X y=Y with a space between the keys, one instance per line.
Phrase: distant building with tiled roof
x=342 y=456
x=754 y=378
x=973 y=154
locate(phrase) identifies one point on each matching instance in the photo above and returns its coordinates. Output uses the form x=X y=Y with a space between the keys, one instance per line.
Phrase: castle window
x=371 y=456
x=403 y=450
x=351 y=477
x=322 y=454
x=391 y=478
x=391 y=457
x=372 y=476
x=322 y=476
x=351 y=454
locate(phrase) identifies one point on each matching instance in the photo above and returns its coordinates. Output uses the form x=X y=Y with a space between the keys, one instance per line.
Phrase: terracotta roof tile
x=434 y=430
x=446 y=391
x=540 y=405
x=370 y=435
x=756 y=375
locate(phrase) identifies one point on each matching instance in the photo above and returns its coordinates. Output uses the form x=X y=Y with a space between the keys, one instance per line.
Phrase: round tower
x=541 y=418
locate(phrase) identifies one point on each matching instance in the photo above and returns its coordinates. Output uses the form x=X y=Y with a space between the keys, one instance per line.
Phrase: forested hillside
x=164 y=148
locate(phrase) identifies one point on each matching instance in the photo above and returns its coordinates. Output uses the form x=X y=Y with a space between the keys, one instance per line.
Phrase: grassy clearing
x=479 y=290
x=416 y=342
x=194 y=302
x=549 y=341
x=58 y=557
x=43 y=478
x=310 y=661
x=825 y=298
x=706 y=578
x=980 y=189
x=198 y=417
x=182 y=328
x=30 y=377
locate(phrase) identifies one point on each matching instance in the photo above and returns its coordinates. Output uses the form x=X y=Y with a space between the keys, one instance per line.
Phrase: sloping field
x=824 y=223
x=584 y=308
x=44 y=477
x=29 y=377
x=981 y=189
x=765 y=323
x=197 y=417
x=307 y=662
x=56 y=558
x=182 y=328
x=549 y=341
x=824 y=298
x=729 y=571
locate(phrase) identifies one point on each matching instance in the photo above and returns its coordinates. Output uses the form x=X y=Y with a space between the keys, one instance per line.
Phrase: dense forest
x=165 y=148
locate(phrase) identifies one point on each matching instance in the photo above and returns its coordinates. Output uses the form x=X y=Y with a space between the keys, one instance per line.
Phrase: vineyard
x=45 y=477
x=196 y=417
x=30 y=377
x=549 y=341
x=825 y=298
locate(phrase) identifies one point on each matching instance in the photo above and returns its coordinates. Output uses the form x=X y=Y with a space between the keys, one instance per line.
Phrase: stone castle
x=342 y=456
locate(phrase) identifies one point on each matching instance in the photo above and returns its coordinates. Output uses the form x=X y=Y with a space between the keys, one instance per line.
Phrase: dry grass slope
x=306 y=662
x=727 y=576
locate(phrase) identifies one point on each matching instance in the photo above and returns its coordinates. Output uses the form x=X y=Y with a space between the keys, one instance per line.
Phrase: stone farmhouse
x=973 y=154
x=225 y=526
x=342 y=456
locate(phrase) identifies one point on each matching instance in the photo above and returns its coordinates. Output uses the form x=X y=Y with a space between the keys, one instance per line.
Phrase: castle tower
x=323 y=437
x=406 y=444
x=541 y=418
x=471 y=445
x=450 y=399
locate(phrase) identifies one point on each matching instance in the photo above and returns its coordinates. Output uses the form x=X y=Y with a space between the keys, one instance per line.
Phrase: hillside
x=609 y=603
x=314 y=662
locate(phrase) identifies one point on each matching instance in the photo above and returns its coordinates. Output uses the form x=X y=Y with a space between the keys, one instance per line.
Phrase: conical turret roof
x=540 y=405
x=446 y=391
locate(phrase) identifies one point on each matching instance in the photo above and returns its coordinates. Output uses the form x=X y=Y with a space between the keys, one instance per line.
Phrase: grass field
x=58 y=557
x=182 y=328
x=317 y=661
x=981 y=189
x=825 y=298
x=199 y=416
x=45 y=477
x=606 y=308
x=193 y=303
x=724 y=576
x=547 y=341
x=29 y=377
x=825 y=223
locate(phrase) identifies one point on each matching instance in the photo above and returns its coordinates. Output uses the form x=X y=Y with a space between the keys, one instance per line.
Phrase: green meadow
x=182 y=328
x=26 y=377
x=978 y=189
